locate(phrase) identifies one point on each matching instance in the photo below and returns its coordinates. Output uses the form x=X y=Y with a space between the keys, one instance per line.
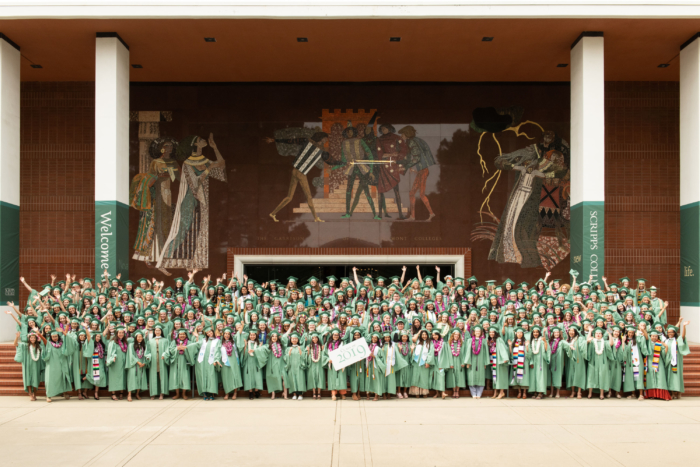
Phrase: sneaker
x=295 y=397
x=301 y=397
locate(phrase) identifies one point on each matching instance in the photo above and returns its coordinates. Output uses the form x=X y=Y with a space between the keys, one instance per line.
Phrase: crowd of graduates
x=427 y=336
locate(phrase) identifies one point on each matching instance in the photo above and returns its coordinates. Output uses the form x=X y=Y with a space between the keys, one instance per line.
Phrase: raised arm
x=403 y=274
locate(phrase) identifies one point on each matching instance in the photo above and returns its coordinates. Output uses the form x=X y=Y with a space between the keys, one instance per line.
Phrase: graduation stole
x=390 y=359
x=519 y=359
x=657 y=356
x=96 y=362
x=200 y=357
x=674 y=356
x=493 y=353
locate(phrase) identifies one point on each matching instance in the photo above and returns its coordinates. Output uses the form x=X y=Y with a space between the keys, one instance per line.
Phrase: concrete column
x=690 y=185
x=9 y=183
x=111 y=155
x=588 y=156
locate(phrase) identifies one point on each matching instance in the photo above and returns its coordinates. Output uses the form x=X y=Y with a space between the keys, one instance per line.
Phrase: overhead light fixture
x=136 y=65
x=486 y=39
x=210 y=39
x=663 y=65
x=302 y=39
x=34 y=65
x=394 y=39
x=562 y=65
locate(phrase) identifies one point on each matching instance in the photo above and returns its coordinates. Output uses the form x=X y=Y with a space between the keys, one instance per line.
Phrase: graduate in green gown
x=388 y=362
x=518 y=347
x=231 y=377
x=206 y=351
x=457 y=354
x=440 y=363
x=56 y=356
x=96 y=352
x=136 y=366
x=657 y=368
x=158 y=356
x=576 y=350
x=79 y=363
x=315 y=371
x=179 y=365
x=403 y=376
x=538 y=359
x=295 y=366
x=599 y=355
x=271 y=356
x=117 y=352
x=251 y=369
x=557 y=362
x=337 y=380
x=499 y=361
x=422 y=359
x=634 y=351
x=29 y=355
x=476 y=360
x=677 y=350
x=615 y=364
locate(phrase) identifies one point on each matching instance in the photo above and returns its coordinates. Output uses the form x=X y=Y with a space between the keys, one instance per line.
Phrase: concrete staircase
x=11 y=375
x=335 y=203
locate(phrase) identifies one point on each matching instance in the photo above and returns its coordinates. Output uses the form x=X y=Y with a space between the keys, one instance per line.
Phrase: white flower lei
x=35 y=357
x=536 y=346
x=602 y=347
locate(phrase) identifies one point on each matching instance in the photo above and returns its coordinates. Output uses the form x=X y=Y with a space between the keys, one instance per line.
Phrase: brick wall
x=642 y=191
x=57 y=181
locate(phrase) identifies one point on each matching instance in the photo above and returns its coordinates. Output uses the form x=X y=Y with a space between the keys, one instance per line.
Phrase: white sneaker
x=295 y=397
x=301 y=397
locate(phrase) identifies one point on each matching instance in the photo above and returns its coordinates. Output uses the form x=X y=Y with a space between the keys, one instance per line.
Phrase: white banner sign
x=348 y=354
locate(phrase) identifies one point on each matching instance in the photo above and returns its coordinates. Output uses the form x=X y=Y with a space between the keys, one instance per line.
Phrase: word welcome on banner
x=349 y=354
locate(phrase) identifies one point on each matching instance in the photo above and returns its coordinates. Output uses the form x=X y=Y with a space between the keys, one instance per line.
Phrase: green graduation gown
x=94 y=378
x=577 y=353
x=389 y=357
x=31 y=369
x=420 y=373
x=179 y=368
x=158 y=356
x=457 y=371
x=598 y=374
x=539 y=365
x=116 y=362
x=403 y=376
x=476 y=373
x=675 y=368
x=615 y=367
x=136 y=376
x=437 y=371
x=500 y=359
x=206 y=353
x=274 y=366
x=521 y=378
x=295 y=364
x=337 y=380
x=80 y=365
x=557 y=362
x=629 y=359
x=657 y=366
x=231 y=377
x=252 y=370
x=57 y=371
x=315 y=371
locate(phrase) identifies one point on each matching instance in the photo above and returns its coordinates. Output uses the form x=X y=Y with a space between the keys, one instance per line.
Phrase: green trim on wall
x=690 y=253
x=9 y=252
x=588 y=239
x=111 y=239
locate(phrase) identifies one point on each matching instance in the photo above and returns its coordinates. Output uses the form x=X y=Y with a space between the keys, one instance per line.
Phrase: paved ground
x=323 y=433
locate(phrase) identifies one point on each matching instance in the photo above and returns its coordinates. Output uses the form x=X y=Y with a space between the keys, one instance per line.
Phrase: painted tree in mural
x=539 y=199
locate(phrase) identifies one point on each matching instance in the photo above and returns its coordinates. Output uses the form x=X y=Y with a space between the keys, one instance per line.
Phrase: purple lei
x=140 y=352
x=122 y=346
x=228 y=346
x=58 y=344
x=555 y=345
x=178 y=342
x=438 y=346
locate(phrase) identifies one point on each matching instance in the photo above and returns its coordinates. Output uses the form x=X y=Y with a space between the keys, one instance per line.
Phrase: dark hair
x=388 y=126
x=350 y=132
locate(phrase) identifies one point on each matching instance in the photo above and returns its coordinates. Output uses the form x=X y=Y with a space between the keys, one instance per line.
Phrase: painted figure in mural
x=554 y=199
x=310 y=153
x=354 y=148
x=419 y=160
x=390 y=147
x=187 y=244
x=519 y=229
x=150 y=193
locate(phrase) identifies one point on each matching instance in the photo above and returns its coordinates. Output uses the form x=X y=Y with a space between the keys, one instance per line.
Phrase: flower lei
x=457 y=351
x=492 y=346
x=228 y=347
x=372 y=346
x=476 y=349
x=536 y=345
x=122 y=346
x=555 y=345
x=315 y=353
x=333 y=345
x=57 y=345
x=401 y=348
x=602 y=347
x=276 y=349
x=438 y=346
x=35 y=356
x=179 y=343
x=140 y=351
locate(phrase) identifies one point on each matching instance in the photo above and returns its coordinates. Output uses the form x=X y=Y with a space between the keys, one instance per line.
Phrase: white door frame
x=240 y=261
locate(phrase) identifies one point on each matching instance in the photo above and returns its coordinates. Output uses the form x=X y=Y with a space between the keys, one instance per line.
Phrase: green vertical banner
x=588 y=239
x=9 y=253
x=111 y=239
x=690 y=254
